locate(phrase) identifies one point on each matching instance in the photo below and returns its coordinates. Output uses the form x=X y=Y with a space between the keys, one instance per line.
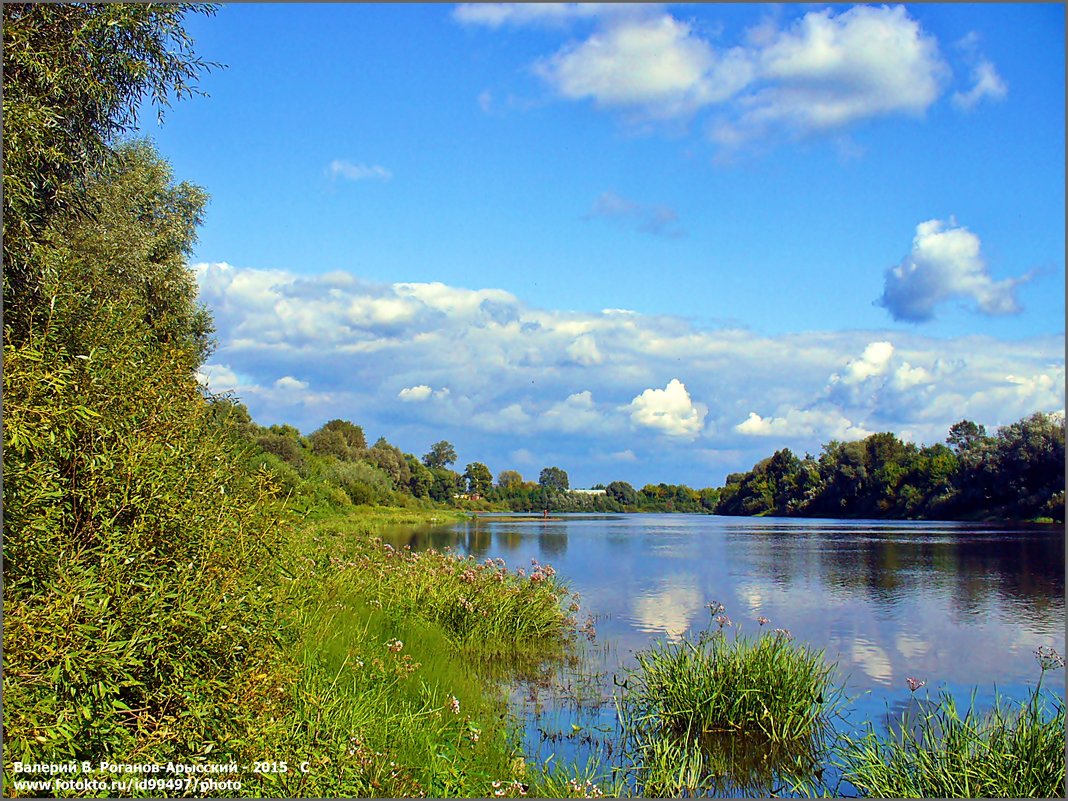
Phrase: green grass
x=1012 y=751
x=726 y=714
x=376 y=682
x=764 y=685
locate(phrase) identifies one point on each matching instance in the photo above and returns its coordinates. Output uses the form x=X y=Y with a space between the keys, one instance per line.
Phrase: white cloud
x=288 y=382
x=874 y=361
x=416 y=394
x=986 y=83
x=490 y=374
x=945 y=262
x=584 y=350
x=831 y=70
x=826 y=71
x=823 y=424
x=339 y=168
x=658 y=65
x=669 y=410
x=218 y=378
x=577 y=414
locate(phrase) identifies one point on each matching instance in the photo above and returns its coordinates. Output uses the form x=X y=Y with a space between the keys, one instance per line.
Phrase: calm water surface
x=961 y=605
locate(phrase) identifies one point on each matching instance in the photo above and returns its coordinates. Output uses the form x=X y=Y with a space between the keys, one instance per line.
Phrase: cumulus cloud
x=824 y=424
x=339 y=168
x=657 y=65
x=584 y=350
x=945 y=262
x=669 y=411
x=288 y=382
x=422 y=362
x=826 y=70
x=416 y=394
x=829 y=70
x=656 y=219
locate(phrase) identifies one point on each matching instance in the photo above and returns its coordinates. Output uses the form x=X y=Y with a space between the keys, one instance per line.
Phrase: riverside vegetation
x=183 y=585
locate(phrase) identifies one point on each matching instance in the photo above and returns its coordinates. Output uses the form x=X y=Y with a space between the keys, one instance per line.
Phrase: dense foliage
x=137 y=549
x=1018 y=473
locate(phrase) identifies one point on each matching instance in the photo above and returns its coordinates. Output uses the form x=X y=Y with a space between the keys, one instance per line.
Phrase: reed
x=483 y=607
x=1015 y=750
x=766 y=684
x=719 y=714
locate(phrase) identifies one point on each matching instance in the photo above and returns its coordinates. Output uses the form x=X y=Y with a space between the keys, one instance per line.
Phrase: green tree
x=965 y=435
x=622 y=492
x=75 y=76
x=509 y=480
x=553 y=478
x=441 y=454
x=420 y=480
x=391 y=461
x=479 y=478
x=446 y=484
x=341 y=439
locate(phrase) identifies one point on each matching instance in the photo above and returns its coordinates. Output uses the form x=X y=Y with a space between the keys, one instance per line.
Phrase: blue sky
x=649 y=243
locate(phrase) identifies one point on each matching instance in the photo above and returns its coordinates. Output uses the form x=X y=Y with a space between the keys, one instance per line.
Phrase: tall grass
x=741 y=714
x=1012 y=751
x=377 y=682
x=483 y=607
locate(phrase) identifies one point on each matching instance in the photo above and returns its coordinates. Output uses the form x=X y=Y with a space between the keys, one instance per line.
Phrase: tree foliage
x=553 y=478
x=441 y=454
x=1017 y=473
x=75 y=76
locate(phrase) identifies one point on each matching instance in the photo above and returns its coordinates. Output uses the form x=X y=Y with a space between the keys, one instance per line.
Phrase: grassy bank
x=378 y=687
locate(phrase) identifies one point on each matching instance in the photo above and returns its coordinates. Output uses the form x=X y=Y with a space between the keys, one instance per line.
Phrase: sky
x=649 y=243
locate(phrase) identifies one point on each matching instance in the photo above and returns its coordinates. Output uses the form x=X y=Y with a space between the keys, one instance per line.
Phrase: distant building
x=588 y=492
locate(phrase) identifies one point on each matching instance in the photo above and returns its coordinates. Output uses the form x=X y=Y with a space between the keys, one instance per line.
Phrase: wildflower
x=394 y=645
x=784 y=633
x=537 y=576
x=549 y=570
x=762 y=620
x=915 y=684
x=521 y=572
x=715 y=608
x=723 y=620
x=454 y=705
x=1048 y=658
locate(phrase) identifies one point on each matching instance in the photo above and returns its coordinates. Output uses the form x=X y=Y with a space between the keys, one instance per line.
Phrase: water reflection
x=669 y=608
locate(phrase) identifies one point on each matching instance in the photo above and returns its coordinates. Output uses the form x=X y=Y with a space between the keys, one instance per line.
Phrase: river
x=962 y=606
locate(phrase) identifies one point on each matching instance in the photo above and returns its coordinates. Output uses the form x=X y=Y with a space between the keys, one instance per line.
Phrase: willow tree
x=138 y=550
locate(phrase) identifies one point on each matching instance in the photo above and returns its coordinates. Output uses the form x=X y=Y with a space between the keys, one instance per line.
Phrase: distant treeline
x=334 y=467
x=1016 y=473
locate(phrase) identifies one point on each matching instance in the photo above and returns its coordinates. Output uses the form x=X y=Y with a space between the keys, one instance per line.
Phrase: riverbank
x=375 y=685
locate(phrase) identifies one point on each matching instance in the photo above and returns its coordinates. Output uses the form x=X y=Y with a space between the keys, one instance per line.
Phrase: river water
x=962 y=606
